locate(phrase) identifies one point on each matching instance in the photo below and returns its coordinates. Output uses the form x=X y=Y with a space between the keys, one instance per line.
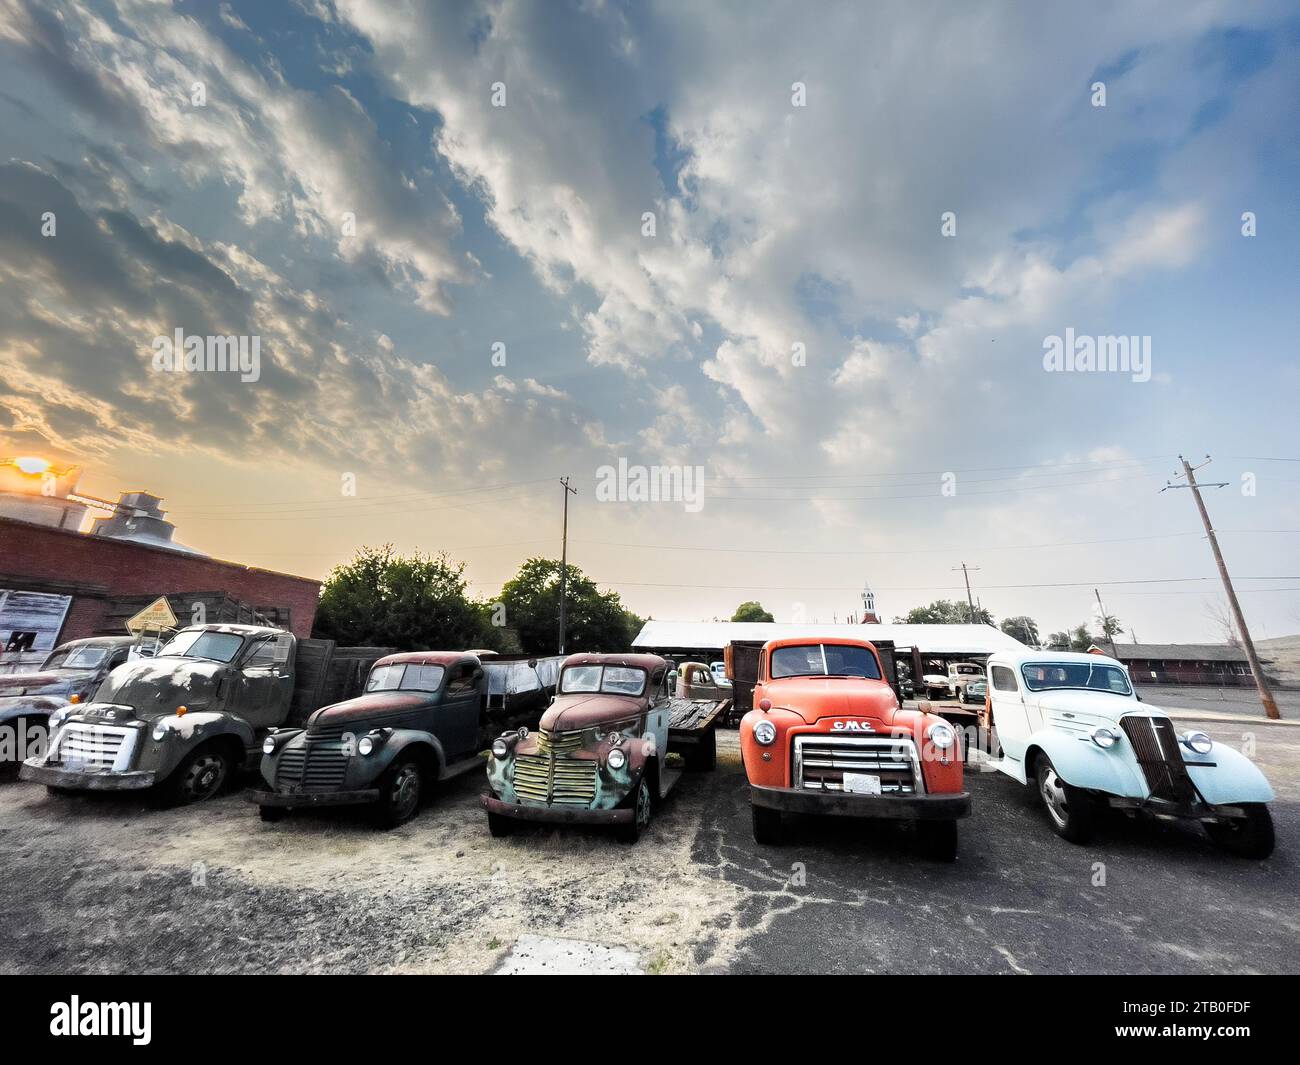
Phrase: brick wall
x=95 y=569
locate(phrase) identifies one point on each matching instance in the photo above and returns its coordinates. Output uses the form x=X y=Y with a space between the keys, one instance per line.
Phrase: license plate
x=862 y=783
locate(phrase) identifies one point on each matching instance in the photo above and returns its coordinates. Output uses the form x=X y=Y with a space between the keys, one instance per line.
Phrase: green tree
x=751 y=611
x=1059 y=641
x=414 y=602
x=1080 y=638
x=594 y=620
x=1022 y=628
x=945 y=612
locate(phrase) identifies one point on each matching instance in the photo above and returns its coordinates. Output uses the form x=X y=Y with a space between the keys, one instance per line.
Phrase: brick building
x=57 y=584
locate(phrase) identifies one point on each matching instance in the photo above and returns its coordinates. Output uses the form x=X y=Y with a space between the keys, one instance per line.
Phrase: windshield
x=614 y=680
x=1045 y=676
x=824 y=660
x=197 y=643
x=76 y=658
x=412 y=677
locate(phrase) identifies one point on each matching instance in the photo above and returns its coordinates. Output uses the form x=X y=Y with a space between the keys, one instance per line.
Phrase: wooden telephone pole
x=564 y=557
x=1248 y=645
x=970 y=599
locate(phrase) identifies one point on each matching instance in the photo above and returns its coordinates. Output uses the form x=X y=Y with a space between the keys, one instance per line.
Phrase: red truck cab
x=827 y=736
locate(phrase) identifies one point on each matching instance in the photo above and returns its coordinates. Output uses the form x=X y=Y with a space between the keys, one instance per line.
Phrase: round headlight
x=365 y=745
x=942 y=736
x=1198 y=742
x=616 y=759
x=500 y=748
x=1104 y=738
x=765 y=733
x=160 y=730
x=268 y=744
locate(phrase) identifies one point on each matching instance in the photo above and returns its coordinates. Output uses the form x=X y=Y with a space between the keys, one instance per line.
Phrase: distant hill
x=1281 y=657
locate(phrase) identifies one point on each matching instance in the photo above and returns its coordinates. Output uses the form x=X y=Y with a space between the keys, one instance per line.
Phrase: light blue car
x=1072 y=725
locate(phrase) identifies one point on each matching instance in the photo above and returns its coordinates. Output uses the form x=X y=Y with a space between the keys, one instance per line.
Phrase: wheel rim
x=204 y=778
x=1053 y=792
x=406 y=790
x=643 y=805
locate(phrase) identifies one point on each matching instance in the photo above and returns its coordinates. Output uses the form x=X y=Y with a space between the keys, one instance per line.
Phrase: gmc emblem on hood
x=851 y=726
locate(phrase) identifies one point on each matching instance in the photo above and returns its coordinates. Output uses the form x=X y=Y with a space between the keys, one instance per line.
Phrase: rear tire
x=704 y=756
x=399 y=792
x=1247 y=837
x=937 y=840
x=500 y=826
x=1070 y=811
x=767 y=826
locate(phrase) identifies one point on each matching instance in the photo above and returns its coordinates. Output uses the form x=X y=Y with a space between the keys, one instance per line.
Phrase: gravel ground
x=105 y=884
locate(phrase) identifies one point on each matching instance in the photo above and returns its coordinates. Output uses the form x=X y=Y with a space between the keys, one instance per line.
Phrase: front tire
x=199 y=777
x=1070 y=810
x=937 y=840
x=631 y=832
x=399 y=793
x=1247 y=837
x=767 y=826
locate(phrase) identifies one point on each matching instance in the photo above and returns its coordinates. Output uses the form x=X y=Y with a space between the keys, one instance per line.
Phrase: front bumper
x=56 y=776
x=561 y=815
x=939 y=807
x=1174 y=811
x=312 y=798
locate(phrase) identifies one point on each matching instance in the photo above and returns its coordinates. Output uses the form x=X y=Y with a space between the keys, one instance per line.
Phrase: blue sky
x=776 y=225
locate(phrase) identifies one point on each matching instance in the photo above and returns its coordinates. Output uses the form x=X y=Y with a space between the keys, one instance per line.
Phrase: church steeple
x=869 y=615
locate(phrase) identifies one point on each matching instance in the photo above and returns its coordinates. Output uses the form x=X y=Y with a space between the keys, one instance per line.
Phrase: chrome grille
x=96 y=746
x=1155 y=746
x=288 y=769
x=559 y=742
x=555 y=781
x=821 y=761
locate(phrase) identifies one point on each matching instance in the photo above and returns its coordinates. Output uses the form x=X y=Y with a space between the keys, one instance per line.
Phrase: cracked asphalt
x=105 y=884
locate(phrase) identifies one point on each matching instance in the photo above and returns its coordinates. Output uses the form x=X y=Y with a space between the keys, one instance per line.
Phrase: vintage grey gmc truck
x=181 y=722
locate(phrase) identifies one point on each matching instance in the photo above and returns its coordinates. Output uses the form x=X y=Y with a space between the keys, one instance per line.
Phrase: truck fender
x=31 y=706
x=199 y=726
x=404 y=739
x=1082 y=763
x=1232 y=778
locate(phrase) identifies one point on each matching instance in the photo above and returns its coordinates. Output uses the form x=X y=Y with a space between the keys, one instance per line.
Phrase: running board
x=474 y=761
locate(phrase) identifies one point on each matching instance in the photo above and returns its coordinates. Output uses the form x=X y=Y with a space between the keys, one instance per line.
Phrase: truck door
x=458 y=714
x=659 y=712
x=1009 y=719
x=266 y=682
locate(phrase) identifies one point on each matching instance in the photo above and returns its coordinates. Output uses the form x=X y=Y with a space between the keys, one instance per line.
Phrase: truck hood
x=572 y=712
x=52 y=683
x=1098 y=704
x=374 y=705
x=814 y=698
x=155 y=687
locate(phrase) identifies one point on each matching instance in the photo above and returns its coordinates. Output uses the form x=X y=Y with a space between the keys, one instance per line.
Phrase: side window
x=118 y=657
x=263 y=656
x=462 y=680
x=1003 y=679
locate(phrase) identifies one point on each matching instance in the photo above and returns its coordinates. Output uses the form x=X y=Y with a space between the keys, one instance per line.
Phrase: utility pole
x=1105 y=624
x=564 y=557
x=970 y=600
x=1248 y=645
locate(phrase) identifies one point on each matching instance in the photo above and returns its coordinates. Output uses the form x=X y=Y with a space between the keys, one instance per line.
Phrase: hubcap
x=643 y=804
x=205 y=777
x=1053 y=792
x=406 y=789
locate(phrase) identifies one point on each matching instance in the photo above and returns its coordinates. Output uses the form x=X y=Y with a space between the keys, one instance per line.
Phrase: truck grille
x=555 y=781
x=559 y=742
x=820 y=763
x=104 y=747
x=321 y=762
x=1156 y=747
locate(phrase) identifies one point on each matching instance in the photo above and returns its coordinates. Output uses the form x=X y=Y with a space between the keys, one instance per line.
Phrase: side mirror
x=532 y=663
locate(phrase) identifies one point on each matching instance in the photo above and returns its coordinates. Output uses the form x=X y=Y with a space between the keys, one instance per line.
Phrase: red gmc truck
x=827 y=735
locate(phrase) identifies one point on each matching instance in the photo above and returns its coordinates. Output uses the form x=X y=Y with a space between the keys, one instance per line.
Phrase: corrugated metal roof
x=930 y=639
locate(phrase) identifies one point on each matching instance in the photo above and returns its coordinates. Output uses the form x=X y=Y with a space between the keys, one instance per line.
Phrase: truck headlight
x=500 y=749
x=366 y=745
x=942 y=736
x=616 y=759
x=59 y=717
x=765 y=733
x=159 y=732
x=1197 y=741
x=268 y=744
x=1104 y=738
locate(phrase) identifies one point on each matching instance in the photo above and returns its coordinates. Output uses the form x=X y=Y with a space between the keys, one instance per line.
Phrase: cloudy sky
x=814 y=250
